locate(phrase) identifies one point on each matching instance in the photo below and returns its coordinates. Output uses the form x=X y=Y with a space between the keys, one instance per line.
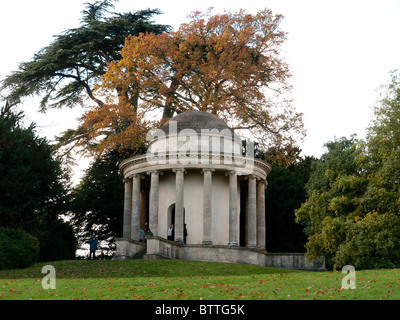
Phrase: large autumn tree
x=226 y=64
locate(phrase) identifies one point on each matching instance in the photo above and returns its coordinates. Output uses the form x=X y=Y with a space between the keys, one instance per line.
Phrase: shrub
x=18 y=249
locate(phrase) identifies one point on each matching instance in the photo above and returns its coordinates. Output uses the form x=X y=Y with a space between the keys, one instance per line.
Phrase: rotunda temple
x=199 y=176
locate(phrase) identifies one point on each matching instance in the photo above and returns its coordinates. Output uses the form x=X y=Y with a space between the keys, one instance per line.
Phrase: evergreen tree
x=285 y=193
x=34 y=187
x=65 y=72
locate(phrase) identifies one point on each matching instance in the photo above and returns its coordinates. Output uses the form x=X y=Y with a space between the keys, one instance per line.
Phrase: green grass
x=174 y=280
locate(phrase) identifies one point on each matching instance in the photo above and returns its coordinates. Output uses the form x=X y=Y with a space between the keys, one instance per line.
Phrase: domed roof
x=196 y=120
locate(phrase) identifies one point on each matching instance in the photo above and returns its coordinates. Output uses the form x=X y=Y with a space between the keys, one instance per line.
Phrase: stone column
x=233 y=212
x=127 y=208
x=135 y=217
x=252 y=213
x=261 y=214
x=153 y=206
x=207 y=205
x=179 y=172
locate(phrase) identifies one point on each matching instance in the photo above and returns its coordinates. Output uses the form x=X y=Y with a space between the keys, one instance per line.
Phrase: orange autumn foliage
x=113 y=127
x=226 y=64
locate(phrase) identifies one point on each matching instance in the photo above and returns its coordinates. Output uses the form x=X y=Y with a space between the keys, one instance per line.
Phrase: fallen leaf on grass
x=238 y=296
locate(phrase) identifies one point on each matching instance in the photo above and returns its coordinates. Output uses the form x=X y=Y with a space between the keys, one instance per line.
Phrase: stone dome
x=196 y=120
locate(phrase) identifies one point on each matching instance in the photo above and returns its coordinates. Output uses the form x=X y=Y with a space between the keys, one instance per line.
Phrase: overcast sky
x=339 y=52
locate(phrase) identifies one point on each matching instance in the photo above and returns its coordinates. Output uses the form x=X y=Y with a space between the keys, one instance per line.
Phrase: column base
x=207 y=243
x=233 y=244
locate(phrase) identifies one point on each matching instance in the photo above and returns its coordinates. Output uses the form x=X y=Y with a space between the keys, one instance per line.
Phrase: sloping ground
x=175 y=280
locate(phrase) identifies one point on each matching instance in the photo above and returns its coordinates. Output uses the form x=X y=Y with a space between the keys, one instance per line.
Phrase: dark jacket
x=93 y=244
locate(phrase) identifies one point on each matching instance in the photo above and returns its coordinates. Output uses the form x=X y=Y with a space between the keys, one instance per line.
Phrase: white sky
x=339 y=53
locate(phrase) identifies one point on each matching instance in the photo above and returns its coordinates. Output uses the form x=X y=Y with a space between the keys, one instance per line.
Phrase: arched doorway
x=171 y=217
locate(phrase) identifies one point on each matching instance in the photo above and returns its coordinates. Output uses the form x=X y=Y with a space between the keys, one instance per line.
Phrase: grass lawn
x=189 y=280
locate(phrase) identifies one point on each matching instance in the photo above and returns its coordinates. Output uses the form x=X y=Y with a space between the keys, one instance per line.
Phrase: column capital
x=179 y=170
x=155 y=172
x=263 y=182
x=231 y=172
x=125 y=180
x=137 y=175
x=251 y=176
x=207 y=170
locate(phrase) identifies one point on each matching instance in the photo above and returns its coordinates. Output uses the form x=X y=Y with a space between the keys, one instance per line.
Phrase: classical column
x=233 y=214
x=179 y=172
x=252 y=213
x=207 y=205
x=153 y=206
x=135 y=217
x=261 y=214
x=127 y=208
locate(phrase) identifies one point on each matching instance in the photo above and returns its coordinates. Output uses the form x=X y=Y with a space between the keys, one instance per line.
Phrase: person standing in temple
x=170 y=234
x=185 y=233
